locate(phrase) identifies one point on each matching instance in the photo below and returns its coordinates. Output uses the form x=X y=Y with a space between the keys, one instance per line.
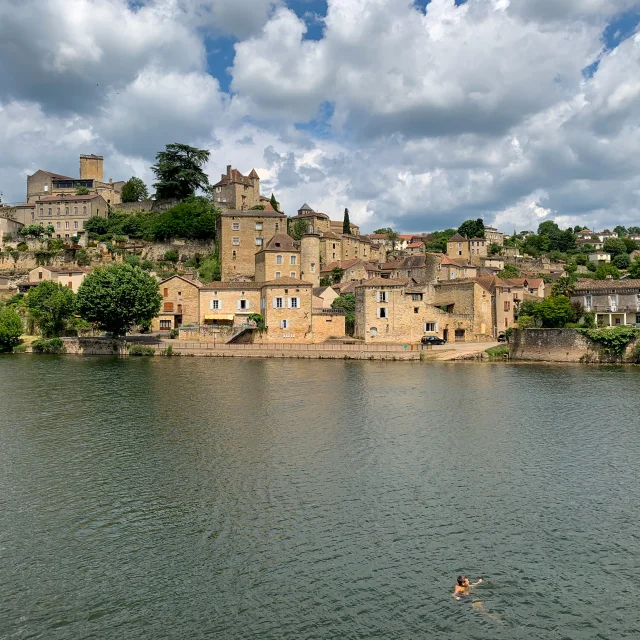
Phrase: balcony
x=607 y=308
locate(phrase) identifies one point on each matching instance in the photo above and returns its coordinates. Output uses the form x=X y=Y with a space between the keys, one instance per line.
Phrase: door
x=445 y=334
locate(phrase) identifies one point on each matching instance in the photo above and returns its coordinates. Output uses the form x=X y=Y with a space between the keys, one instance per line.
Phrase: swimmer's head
x=463 y=581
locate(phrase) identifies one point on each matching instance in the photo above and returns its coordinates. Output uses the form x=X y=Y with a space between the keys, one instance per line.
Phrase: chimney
x=229 y=171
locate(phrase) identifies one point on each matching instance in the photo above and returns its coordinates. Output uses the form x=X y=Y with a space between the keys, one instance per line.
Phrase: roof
x=235 y=177
x=193 y=281
x=456 y=237
x=231 y=286
x=254 y=174
x=330 y=234
x=595 y=285
x=385 y=282
x=280 y=242
x=448 y=261
x=281 y=282
x=305 y=207
x=486 y=282
x=410 y=262
x=415 y=245
x=477 y=239
x=341 y=264
x=57 y=176
x=253 y=213
x=532 y=283
x=68 y=198
x=61 y=270
x=310 y=214
x=319 y=291
x=345 y=287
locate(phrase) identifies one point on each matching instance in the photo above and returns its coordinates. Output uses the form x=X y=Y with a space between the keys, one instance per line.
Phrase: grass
x=498 y=352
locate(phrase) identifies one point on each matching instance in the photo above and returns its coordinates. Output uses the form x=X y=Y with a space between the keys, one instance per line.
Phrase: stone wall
x=95 y=346
x=559 y=345
x=327 y=325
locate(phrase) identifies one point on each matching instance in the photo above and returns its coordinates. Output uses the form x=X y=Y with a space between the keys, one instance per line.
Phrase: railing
x=329 y=312
x=604 y=308
x=323 y=346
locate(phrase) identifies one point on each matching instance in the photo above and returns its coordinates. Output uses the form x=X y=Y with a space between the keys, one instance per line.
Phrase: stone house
x=533 y=286
x=279 y=258
x=454 y=269
x=180 y=303
x=600 y=257
x=352 y=270
x=458 y=248
x=478 y=248
x=70 y=277
x=323 y=297
x=615 y=302
x=320 y=222
x=286 y=305
x=228 y=304
x=236 y=191
x=415 y=248
x=493 y=262
x=9 y=224
x=69 y=213
x=493 y=236
x=241 y=235
x=422 y=268
x=377 y=253
x=507 y=296
x=43 y=184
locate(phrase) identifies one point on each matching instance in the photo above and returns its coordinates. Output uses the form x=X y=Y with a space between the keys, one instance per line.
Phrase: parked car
x=433 y=340
x=502 y=337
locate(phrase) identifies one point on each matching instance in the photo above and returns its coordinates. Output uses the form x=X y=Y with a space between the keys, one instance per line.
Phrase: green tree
x=179 y=171
x=51 y=305
x=495 y=249
x=97 y=225
x=437 y=241
x=209 y=269
x=615 y=246
x=393 y=237
x=634 y=269
x=194 y=218
x=606 y=269
x=564 y=286
x=32 y=231
x=10 y=329
x=336 y=275
x=554 y=312
x=82 y=191
x=383 y=231
x=257 y=207
x=346 y=225
x=296 y=228
x=631 y=245
x=509 y=271
x=171 y=255
x=325 y=281
x=274 y=202
x=621 y=261
x=134 y=190
x=119 y=297
x=620 y=230
x=472 y=228
x=347 y=302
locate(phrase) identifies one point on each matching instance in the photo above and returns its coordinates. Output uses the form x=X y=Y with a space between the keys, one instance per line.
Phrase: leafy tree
x=621 y=261
x=83 y=259
x=554 y=312
x=118 y=297
x=194 y=218
x=383 y=231
x=634 y=269
x=615 y=246
x=346 y=225
x=82 y=191
x=606 y=269
x=209 y=269
x=32 y=231
x=51 y=305
x=620 y=230
x=10 y=329
x=134 y=190
x=437 y=241
x=393 y=237
x=509 y=271
x=633 y=230
x=179 y=171
x=630 y=244
x=336 y=275
x=347 y=302
x=297 y=228
x=257 y=207
x=97 y=225
x=582 y=259
x=472 y=228
x=274 y=202
x=171 y=255
x=564 y=286
x=495 y=249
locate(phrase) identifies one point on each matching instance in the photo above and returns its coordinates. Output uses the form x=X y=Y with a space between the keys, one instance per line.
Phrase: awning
x=220 y=316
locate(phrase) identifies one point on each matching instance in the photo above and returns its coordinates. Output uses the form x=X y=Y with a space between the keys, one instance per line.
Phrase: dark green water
x=226 y=498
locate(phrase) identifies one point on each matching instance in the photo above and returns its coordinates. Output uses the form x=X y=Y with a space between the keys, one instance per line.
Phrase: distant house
x=71 y=277
x=614 y=302
x=323 y=297
x=180 y=303
x=600 y=256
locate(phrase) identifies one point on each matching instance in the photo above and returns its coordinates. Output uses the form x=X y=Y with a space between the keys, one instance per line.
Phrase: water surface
x=262 y=499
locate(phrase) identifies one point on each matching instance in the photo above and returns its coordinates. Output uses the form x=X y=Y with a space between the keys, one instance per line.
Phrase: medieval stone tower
x=91 y=168
x=310 y=257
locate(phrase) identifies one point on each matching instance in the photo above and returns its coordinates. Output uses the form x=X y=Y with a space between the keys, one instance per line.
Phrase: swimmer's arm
x=455 y=595
x=475 y=584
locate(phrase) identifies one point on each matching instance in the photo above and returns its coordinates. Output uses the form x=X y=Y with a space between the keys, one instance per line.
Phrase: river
x=300 y=499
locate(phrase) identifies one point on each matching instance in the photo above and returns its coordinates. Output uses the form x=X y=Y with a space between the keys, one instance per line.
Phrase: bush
x=10 y=329
x=526 y=322
x=498 y=352
x=613 y=339
x=141 y=350
x=174 y=333
x=51 y=346
x=171 y=256
x=168 y=351
x=622 y=261
x=83 y=259
x=23 y=246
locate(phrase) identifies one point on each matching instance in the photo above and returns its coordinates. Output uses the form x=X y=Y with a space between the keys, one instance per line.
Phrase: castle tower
x=91 y=167
x=310 y=257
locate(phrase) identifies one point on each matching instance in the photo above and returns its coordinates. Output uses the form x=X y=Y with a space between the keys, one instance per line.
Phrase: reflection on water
x=230 y=498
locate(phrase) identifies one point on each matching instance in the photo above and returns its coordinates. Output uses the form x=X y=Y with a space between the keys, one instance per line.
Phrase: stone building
x=70 y=277
x=68 y=213
x=45 y=183
x=478 y=248
x=228 y=304
x=336 y=247
x=494 y=236
x=310 y=258
x=422 y=268
x=9 y=223
x=238 y=192
x=614 y=302
x=286 y=305
x=180 y=303
x=455 y=269
x=320 y=222
x=278 y=258
x=241 y=235
x=352 y=270
x=458 y=248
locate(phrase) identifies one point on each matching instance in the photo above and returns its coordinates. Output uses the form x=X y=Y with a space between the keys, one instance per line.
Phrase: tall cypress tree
x=346 y=225
x=274 y=203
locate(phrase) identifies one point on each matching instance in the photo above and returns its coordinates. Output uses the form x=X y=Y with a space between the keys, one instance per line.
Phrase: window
x=46 y=187
x=277 y=274
x=313 y=268
x=284 y=324
x=75 y=224
x=165 y=293
x=57 y=225
x=507 y=305
x=382 y=296
x=416 y=309
x=214 y=304
x=57 y=211
x=588 y=301
x=41 y=211
x=416 y=297
x=294 y=303
x=236 y=241
x=258 y=242
x=70 y=285
x=179 y=293
x=258 y=226
x=233 y=255
x=292 y=274
x=165 y=324
x=75 y=211
x=218 y=189
x=613 y=302
x=430 y=327
x=66 y=211
x=50 y=210
x=277 y=226
x=382 y=312
x=293 y=259
x=278 y=303
x=243 y=304
x=84 y=211
x=168 y=306
x=66 y=224
x=278 y=259
x=334 y=246
x=39 y=275
x=235 y=226
x=33 y=215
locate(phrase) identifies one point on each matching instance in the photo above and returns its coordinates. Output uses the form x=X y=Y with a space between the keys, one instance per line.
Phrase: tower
x=310 y=257
x=91 y=167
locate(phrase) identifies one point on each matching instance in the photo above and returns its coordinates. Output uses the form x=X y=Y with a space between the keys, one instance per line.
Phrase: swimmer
x=463 y=586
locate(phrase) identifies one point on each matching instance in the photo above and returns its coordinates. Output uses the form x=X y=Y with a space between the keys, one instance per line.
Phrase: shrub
x=83 y=259
x=613 y=339
x=526 y=322
x=23 y=246
x=10 y=329
x=50 y=346
x=141 y=350
x=498 y=352
x=168 y=351
x=174 y=333
x=171 y=256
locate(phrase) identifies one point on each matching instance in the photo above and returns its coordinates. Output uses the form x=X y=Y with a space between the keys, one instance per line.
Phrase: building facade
x=70 y=277
x=279 y=258
x=68 y=214
x=180 y=303
x=236 y=191
x=614 y=302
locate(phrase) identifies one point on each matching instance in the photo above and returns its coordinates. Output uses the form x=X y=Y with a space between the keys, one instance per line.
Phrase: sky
x=416 y=115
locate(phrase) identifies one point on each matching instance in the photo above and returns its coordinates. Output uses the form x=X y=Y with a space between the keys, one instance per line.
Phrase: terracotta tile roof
x=252 y=213
x=330 y=234
x=281 y=282
x=235 y=178
x=68 y=198
x=345 y=287
x=448 y=261
x=343 y=264
x=232 y=286
x=61 y=270
x=310 y=214
x=476 y=239
x=415 y=245
x=187 y=279
x=456 y=237
x=596 y=285
x=280 y=242
x=385 y=282
x=57 y=176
